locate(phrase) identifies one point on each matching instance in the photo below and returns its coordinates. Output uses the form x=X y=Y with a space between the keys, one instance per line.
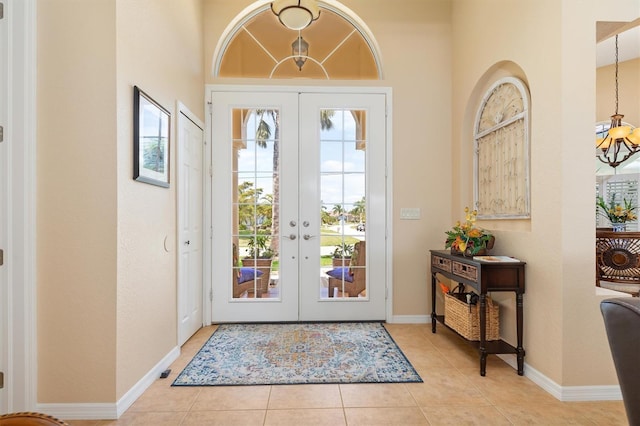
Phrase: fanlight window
x=259 y=46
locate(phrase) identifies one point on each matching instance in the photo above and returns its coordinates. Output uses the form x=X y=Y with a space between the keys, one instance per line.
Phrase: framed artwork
x=151 y=127
x=501 y=160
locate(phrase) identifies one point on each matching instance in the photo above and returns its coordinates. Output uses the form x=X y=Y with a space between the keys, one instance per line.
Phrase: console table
x=483 y=277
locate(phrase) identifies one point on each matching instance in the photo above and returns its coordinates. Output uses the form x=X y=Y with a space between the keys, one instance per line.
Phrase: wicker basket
x=465 y=318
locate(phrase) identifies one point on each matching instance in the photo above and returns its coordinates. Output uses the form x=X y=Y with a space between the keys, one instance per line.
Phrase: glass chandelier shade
x=621 y=141
x=296 y=15
x=300 y=51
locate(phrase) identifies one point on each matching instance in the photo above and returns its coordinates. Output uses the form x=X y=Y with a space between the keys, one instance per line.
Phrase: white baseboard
x=410 y=319
x=566 y=393
x=110 y=411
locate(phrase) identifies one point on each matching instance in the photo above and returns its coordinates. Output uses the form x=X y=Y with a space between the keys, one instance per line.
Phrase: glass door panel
x=343 y=203
x=253 y=183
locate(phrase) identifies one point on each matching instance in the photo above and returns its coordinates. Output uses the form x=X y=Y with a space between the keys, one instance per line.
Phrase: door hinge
x=210 y=295
x=210 y=107
x=1 y=10
x=211 y=233
x=210 y=171
x=1 y=130
x=1 y=380
x=1 y=257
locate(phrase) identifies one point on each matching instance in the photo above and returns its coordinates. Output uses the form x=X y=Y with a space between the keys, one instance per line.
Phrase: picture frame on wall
x=151 y=134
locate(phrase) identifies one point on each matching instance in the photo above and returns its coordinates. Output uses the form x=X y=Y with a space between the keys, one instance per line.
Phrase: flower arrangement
x=616 y=213
x=466 y=237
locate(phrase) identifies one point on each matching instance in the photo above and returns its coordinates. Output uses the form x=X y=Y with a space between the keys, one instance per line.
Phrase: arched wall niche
x=256 y=45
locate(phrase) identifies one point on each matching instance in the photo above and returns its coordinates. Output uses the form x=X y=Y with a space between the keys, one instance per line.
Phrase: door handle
x=293 y=236
x=308 y=237
x=187 y=242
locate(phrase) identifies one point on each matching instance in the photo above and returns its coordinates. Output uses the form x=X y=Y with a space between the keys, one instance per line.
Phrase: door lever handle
x=292 y=236
x=308 y=237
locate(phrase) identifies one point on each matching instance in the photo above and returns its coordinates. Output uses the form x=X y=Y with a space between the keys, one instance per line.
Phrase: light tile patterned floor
x=453 y=393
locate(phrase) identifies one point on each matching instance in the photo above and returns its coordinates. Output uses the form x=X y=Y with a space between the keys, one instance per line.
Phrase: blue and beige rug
x=298 y=353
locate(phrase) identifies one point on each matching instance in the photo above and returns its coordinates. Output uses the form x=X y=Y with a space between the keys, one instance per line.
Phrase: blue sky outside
x=342 y=167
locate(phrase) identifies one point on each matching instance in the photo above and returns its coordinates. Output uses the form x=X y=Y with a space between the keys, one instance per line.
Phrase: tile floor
x=453 y=393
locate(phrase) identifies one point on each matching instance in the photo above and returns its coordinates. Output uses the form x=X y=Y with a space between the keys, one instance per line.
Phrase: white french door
x=301 y=175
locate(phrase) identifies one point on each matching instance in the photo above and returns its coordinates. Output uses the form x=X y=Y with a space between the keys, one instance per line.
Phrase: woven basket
x=465 y=318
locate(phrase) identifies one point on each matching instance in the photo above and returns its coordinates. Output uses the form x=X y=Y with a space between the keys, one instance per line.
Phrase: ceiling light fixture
x=296 y=15
x=620 y=140
x=300 y=51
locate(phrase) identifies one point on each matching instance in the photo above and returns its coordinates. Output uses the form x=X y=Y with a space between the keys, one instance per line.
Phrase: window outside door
x=298 y=206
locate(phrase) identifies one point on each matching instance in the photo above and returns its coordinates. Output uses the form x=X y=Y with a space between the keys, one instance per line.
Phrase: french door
x=297 y=179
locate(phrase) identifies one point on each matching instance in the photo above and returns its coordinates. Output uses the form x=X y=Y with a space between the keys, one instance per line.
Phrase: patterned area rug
x=297 y=353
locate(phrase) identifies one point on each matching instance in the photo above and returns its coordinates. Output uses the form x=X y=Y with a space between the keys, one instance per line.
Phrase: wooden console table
x=483 y=277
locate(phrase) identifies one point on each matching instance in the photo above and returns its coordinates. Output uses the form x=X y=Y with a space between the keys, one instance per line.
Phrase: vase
x=619 y=227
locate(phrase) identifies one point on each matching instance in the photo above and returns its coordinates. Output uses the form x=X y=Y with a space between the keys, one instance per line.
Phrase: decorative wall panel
x=501 y=160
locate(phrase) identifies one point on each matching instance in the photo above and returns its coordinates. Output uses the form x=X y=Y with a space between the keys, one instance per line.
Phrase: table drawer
x=441 y=263
x=464 y=270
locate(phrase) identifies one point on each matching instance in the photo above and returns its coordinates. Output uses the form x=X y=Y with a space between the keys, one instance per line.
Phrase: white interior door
x=190 y=148
x=294 y=173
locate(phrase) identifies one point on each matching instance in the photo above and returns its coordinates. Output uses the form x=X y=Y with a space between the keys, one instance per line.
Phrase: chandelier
x=296 y=15
x=300 y=51
x=621 y=141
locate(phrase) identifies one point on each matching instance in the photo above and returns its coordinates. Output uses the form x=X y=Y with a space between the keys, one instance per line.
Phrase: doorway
x=297 y=179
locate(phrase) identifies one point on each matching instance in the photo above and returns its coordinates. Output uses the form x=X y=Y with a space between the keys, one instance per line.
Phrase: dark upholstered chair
x=622 y=322
x=29 y=419
x=618 y=261
x=352 y=280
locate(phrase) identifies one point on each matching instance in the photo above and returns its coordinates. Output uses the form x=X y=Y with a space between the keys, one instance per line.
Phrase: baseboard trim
x=410 y=319
x=566 y=393
x=110 y=411
x=562 y=393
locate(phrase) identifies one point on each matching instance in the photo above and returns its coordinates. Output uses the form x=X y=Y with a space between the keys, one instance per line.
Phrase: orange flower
x=474 y=233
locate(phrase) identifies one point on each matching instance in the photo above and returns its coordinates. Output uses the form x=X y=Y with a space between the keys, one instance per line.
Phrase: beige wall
x=160 y=50
x=628 y=88
x=76 y=201
x=551 y=46
x=106 y=285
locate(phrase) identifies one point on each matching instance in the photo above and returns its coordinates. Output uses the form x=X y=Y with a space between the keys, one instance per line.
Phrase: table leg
x=519 y=322
x=483 y=335
x=433 y=303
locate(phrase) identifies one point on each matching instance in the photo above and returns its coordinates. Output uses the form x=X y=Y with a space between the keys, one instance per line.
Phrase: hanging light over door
x=300 y=51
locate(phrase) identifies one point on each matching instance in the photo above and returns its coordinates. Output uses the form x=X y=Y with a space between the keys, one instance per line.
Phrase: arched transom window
x=337 y=46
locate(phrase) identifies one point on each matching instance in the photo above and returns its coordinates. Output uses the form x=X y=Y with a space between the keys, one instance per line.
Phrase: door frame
x=20 y=390
x=183 y=110
x=208 y=202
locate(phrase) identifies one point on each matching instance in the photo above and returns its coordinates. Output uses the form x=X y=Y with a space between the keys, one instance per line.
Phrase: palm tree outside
x=263 y=134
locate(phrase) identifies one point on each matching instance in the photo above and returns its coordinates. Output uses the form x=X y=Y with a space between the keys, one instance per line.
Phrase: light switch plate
x=412 y=213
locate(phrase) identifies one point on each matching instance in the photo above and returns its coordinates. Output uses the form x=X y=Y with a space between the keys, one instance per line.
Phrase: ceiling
x=628 y=41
